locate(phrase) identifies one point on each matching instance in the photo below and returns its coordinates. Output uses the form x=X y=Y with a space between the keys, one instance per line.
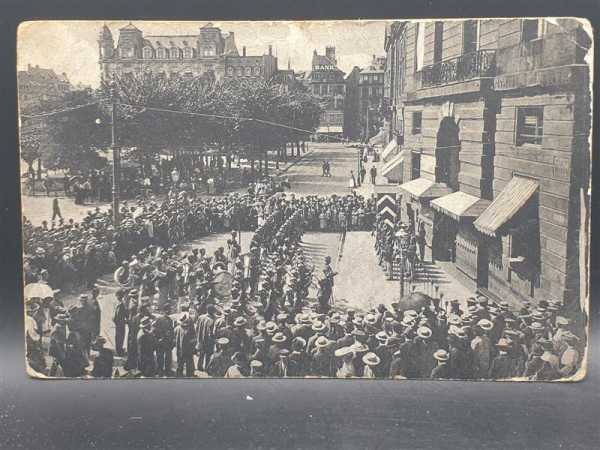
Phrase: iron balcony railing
x=481 y=63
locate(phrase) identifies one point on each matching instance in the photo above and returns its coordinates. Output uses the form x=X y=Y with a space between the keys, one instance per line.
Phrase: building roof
x=180 y=41
x=129 y=27
x=105 y=33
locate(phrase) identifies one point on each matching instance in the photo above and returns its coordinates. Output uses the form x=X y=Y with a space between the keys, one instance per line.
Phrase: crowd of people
x=234 y=315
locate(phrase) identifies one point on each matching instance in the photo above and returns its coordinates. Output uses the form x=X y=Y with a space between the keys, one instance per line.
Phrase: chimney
x=28 y=66
x=244 y=50
x=270 y=50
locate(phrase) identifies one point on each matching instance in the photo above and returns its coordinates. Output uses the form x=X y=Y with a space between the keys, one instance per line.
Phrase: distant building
x=364 y=98
x=490 y=121
x=181 y=55
x=326 y=82
x=37 y=86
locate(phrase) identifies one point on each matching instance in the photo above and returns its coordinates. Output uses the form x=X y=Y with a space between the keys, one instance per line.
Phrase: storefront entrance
x=444 y=238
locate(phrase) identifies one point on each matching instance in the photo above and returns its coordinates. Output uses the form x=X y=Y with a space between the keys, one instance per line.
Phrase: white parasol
x=38 y=290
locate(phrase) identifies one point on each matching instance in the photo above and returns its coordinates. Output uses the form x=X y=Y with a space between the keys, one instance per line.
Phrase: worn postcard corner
x=382 y=199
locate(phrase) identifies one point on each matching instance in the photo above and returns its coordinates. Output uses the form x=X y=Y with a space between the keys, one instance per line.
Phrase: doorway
x=444 y=238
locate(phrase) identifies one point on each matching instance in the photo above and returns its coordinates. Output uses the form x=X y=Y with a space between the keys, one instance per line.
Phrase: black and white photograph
x=354 y=199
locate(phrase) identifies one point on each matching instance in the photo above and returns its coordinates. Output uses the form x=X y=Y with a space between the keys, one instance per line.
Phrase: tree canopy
x=157 y=112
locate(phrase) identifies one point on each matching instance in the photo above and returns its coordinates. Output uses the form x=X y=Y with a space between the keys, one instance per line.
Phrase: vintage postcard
x=402 y=199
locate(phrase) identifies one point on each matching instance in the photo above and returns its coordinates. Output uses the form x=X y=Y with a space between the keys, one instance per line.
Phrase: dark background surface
x=264 y=414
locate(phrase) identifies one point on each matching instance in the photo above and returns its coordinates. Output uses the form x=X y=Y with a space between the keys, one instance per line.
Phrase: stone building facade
x=38 y=86
x=326 y=82
x=364 y=96
x=182 y=55
x=491 y=119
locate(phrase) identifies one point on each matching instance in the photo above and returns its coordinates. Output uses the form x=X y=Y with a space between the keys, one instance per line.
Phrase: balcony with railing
x=478 y=64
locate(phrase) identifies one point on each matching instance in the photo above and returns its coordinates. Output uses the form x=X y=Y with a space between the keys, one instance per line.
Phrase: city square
x=207 y=213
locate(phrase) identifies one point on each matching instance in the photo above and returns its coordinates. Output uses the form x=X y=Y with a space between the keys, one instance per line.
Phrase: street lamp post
x=116 y=155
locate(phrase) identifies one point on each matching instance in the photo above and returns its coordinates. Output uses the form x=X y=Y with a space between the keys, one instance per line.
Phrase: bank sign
x=550 y=77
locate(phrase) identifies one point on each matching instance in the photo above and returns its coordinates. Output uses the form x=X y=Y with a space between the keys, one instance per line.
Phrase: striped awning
x=422 y=188
x=387 y=151
x=510 y=200
x=378 y=138
x=394 y=165
x=460 y=205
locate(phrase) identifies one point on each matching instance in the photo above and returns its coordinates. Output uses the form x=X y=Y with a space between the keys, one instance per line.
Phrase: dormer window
x=147 y=53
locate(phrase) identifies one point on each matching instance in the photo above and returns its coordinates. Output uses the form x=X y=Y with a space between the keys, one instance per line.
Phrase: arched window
x=188 y=52
x=248 y=71
x=230 y=70
x=147 y=53
x=161 y=53
x=174 y=53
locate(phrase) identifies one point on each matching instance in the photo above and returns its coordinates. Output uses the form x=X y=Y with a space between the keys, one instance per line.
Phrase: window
x=240 y=71
x=188 y=52
x=438 y=40
x=126 y=52
x=161 y=53
x=532 y=29
x=230 y=71
x=417 y=118
x=316 y=89
x=248 y=71
x=530 y=125
x=174 y=53
x=420 y=46
x=147 y=53
x=470 y=36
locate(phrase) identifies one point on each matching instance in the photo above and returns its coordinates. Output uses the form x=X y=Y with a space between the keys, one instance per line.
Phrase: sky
x=71 y=46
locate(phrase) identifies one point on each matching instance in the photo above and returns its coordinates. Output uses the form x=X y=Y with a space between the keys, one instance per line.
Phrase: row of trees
x=157 y=113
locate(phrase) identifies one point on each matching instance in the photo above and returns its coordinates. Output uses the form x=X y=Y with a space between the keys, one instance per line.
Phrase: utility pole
x=116 y=157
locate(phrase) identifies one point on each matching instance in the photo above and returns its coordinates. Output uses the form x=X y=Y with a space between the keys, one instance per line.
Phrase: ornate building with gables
x=181 y=55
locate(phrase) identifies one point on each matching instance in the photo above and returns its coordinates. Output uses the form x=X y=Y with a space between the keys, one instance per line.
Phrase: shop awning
x=460 y=205
x=422 y=188
x=388 y=150
x=378 y=138
x=332 y=129
x=512 y=198
x=393 y=169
